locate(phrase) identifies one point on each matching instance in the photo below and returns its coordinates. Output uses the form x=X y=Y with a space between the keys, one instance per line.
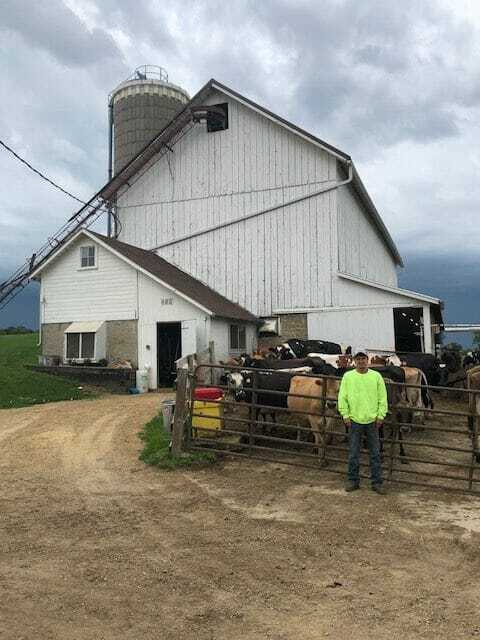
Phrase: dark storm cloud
x=375 y=71
x=52 y=27
x=394 y=84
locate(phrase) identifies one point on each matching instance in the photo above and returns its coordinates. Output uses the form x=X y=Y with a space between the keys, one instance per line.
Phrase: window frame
x=81 y=357
x=239 y=328
x=88 y=266
x=211 y=123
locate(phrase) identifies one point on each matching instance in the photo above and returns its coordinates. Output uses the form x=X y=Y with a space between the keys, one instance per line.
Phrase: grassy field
x=20 y=387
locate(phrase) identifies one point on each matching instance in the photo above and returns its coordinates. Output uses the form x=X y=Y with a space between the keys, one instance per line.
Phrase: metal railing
x=441 y=453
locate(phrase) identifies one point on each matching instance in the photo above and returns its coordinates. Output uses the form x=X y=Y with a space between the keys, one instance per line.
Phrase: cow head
x=331 y=394
x=235 y=381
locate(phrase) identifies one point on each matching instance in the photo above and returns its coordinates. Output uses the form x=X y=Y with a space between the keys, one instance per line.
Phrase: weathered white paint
x=115 y=290
x=369 y=328
x=153 y=304
x=364 y=317
x=361 y=249
x=422 y=297
x=215 y=177
x=428 y=339
x=351 y=294
x=220 y=333
x=108 y=292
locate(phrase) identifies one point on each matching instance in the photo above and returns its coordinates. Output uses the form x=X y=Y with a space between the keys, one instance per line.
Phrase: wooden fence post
x=211 y=360
x=181 y=411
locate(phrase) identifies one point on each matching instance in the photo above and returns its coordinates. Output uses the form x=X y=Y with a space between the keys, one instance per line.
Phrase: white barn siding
x=361 y=250
x=220 y=334
x=363 y=317
x=108 y=292
x=276 y=260
x=348 y=293
x=151 y=311
x=369 y=328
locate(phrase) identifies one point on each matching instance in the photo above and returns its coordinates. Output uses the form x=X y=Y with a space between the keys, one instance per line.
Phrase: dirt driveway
x=94 y=545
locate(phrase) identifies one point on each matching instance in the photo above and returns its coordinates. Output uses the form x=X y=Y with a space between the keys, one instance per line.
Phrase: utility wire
x=44 y=177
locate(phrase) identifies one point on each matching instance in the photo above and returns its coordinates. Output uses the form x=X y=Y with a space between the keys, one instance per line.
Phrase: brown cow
x=473 y=383
x=321 y=426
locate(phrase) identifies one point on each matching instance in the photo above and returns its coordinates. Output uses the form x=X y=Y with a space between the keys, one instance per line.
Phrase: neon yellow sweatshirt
x=362 y=397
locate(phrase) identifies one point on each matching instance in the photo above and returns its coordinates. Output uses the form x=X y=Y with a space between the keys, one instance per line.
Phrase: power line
x=44 y=177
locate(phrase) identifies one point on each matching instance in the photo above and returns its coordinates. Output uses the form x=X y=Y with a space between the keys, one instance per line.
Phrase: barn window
x=217 y=119
x=87 y=257
x=238 y=337
x=80 y=346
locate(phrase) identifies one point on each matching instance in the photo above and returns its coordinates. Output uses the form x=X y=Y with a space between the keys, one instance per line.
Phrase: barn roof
x=180 y=281
x=183 y=117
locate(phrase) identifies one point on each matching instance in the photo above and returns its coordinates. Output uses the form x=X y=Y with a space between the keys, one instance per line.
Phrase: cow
x=260 y=383
x=472 y=359
x=286 y=365
x=473 y=383
x=417 y=395
x=301 y=348
x=338 y=361
x=318 y=389
x=323 y=426
x=426 y=362
x=384 y=359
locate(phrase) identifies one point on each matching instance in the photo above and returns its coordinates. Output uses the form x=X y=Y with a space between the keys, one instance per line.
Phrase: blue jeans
x=356 y=433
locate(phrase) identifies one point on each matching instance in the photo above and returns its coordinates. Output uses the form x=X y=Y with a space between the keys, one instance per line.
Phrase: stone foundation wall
x=122 y=341
x=293 y=325
x=53 y=338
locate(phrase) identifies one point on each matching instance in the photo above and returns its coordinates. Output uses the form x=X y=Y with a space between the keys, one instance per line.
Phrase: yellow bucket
x=209 y=420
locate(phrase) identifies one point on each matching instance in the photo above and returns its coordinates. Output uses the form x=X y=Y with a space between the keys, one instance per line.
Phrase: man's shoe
x=379 y=488
x=352 y=486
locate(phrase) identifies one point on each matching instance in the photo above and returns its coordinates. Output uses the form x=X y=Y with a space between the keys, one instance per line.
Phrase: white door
x=189 y=337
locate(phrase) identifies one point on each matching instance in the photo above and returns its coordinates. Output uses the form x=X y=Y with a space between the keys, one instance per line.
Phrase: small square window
x=218 y=118
x=87 y=256
x=238 y=338
x=80 y=346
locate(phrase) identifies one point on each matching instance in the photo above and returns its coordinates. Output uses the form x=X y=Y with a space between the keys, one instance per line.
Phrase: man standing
x=362 y=402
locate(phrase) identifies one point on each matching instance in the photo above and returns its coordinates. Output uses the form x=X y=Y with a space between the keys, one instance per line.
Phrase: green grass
x=20 y=387
x=156 y=449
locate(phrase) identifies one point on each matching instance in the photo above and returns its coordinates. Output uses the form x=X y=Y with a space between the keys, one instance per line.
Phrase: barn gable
x=279 y=258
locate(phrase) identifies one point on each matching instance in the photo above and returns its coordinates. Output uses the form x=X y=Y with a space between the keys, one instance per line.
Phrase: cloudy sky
x=396 y=85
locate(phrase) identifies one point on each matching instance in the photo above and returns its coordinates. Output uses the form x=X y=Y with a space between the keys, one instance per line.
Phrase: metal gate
x=440 y=452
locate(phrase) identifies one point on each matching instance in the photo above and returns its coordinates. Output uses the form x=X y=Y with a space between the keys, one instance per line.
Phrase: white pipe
x=40 y=319
x=249 y=216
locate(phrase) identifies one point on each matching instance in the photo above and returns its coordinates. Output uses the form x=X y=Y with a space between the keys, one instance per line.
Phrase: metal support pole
x=181 y=412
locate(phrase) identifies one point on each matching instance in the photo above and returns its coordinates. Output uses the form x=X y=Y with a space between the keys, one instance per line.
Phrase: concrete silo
x=139 y=108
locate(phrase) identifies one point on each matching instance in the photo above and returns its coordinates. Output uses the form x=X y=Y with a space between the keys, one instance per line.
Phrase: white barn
x=273 y=220
x=279 y=222
x=101 y=299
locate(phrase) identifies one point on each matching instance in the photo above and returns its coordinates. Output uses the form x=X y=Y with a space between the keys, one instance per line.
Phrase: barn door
x=189 y=337
x=169 y=350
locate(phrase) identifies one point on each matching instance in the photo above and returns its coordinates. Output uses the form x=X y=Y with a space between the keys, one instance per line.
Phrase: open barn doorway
x=408 y=323
x=169 y=350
